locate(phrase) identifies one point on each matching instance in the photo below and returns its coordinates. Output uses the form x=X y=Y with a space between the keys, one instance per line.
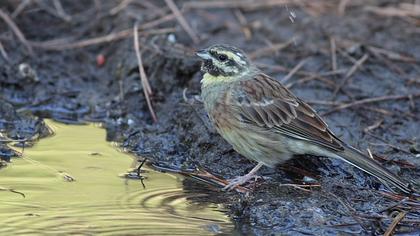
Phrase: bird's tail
x=370 y=166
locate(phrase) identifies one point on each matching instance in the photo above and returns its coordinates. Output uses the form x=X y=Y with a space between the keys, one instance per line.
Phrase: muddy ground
x=331 y=52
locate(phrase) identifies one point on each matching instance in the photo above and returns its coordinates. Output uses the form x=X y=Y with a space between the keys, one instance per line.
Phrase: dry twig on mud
x=123 y=4
x=3 y=52
x=58 y=44
x=245 y=4
x=16 y=30
x=143 y=77
x=392 y=55
x=403 y=10
x=60 y=11
x=351 y=71
x=154 y=23
x=374 y=126
x=302 y=187
x=243 y=23
x=370 y=100
x=20 y=8
x=333 y=48
x=270 y=49
x=342 y=7
x=293 y=71
x=395 y=222
x=180 y=18
x=386 y=143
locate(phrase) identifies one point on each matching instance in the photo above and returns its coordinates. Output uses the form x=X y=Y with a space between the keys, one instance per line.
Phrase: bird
x=265 y=122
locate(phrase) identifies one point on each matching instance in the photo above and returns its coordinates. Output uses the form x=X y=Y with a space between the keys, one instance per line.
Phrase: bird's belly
x=258 y=147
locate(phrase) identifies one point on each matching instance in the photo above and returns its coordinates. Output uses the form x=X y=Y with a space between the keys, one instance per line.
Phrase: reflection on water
x=98 y=201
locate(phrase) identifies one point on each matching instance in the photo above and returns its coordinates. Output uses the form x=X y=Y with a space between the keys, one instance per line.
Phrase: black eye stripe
x=220 y=56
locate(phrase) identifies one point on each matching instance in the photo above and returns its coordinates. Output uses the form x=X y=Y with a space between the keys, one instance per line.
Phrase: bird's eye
x=222 y=57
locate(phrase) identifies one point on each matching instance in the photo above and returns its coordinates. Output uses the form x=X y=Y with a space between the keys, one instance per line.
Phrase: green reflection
x=98 y=201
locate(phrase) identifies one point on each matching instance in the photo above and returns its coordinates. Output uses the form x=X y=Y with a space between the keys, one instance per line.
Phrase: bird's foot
x=240 y=180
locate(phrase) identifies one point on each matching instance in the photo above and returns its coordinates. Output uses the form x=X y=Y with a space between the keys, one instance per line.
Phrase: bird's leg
x=243 y=179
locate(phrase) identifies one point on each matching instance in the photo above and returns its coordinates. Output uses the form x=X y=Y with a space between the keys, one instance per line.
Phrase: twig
x=349 y=208
x=3 y=52
x=395 y=222
x=123 y=4
x=144 y=81
x=270 y=49
x=300 y=186
x=394 y=205
x=392 y=55
x=59 y=45
x=293 y=71
x=387 y=143
x=404 y=10
x=20 y=8
x=149 y=5
x=243 y=23
x=351 y=71
x=249 y=4
x=154 y=23
x=60 y=11
x=333 y=54
x=374 y=126
x=16 y=30
x=371 y=100
x=180 y=18
x=342 y=7
x=305 y=73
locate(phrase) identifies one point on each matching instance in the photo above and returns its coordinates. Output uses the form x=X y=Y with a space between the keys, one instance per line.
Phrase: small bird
x=266 y=122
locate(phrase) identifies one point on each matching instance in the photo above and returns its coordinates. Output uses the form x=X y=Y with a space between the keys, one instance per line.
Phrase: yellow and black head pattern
x=223 y=60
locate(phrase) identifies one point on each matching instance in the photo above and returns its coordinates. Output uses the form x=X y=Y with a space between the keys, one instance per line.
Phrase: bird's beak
x=203 y=54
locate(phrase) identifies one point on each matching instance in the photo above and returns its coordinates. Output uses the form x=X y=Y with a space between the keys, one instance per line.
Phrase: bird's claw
x=240 y=180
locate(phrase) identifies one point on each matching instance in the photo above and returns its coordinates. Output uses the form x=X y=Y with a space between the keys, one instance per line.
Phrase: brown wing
x=265 y=102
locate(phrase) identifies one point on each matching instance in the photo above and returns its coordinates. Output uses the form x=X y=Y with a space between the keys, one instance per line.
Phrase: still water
x=98 y=201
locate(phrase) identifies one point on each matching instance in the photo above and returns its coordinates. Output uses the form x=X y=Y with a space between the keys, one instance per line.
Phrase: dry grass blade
x=3 y=52
x=154 y=23
x=270 y=49
x=333 y=49
x=374 y=126
x=293 y=71
x=248 y=4
x=342 y=7
x=60 y=45
x=16 y=30
x=243 y=23
x=60 y=11
x=391 y=55
x=303 y=187
x=395 y=222
x=20 y=7
x=351 y=71
x=123 y=4
x=144 y=81
x=182 y=21
x=370 y=100
x=404 y=10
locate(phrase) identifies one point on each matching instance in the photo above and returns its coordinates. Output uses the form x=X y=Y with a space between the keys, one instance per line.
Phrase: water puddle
x=98 y=201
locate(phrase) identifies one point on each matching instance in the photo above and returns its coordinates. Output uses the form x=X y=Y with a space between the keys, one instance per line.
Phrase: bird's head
x=223 y=61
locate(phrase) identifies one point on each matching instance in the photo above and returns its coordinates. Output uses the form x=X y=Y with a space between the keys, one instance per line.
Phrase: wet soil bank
x=356 y=63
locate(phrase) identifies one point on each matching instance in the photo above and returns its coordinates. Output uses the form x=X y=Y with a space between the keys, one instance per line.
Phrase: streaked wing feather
x=266 y=103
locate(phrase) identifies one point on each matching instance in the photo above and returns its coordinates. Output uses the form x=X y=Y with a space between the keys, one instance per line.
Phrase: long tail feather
x=370 y=166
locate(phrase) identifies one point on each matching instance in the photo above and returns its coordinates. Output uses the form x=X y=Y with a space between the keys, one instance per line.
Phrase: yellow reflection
x=97 y=201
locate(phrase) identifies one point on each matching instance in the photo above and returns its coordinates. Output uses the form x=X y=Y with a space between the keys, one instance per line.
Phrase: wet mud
x=331 y=55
